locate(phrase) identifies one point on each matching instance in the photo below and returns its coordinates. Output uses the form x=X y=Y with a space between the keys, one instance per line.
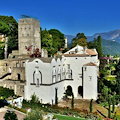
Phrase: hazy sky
x=68 y=16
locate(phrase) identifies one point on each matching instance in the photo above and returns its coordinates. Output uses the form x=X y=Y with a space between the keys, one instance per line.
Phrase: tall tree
x=99 y=46
x=58 y=39
x=80 y=39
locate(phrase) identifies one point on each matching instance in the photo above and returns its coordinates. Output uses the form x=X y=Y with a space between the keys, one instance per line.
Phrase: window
x=37 y=81
x=76 y=50
x=23 y=64
x=17 y=65
x=90 y=78
x=68 y=66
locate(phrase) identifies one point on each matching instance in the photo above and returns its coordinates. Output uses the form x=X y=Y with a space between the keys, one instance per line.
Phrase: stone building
x=76 y=70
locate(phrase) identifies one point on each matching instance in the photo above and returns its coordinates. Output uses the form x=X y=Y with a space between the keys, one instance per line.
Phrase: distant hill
x=111 y=47
x=69 y=38
x=111 y=35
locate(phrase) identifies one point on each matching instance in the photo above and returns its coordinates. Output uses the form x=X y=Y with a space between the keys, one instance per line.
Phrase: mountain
x=111 y=35
x=110 y=47
x=69 y=38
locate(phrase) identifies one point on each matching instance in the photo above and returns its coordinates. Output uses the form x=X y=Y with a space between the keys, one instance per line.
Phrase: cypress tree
x=113 y=103
x=91 y=105
x=56 y=98
x=72 y=101
x=99 y=46
x=109 y=103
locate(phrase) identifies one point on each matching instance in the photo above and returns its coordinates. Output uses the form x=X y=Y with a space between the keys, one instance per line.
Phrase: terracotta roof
x=91 y=52
x=90 y=64
x=76 y=55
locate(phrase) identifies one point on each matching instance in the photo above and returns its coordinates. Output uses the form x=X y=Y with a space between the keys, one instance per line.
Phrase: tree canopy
x=52 y=40
x=9 y=28
x=80 y=39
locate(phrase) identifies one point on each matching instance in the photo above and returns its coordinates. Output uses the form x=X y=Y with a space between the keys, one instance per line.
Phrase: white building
x=76 y=70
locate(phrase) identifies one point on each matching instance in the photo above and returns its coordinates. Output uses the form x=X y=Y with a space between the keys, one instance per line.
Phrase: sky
x=68 y=16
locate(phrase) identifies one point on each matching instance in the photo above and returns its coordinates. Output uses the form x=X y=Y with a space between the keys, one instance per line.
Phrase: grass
x=68 y=118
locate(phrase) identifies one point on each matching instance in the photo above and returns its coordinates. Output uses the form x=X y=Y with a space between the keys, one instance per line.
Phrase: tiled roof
x=91 y=52
x=76 y=55
x=90 y=64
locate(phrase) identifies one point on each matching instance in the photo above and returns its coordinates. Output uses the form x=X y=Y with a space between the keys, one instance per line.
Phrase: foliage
x=109 y=110
x=34 y=115
x=58 y=39
x=19 y=109
x=72 y=101
x=12 y=44
x=6 y=92
x=9 y=27
x=91 y=105
x=10 y=115
x=4 y=28
x=80 y=39
x=34 y=99
x=113 y=103
x=56 y=98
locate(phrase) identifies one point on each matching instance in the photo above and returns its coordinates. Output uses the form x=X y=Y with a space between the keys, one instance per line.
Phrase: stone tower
x=28 y=35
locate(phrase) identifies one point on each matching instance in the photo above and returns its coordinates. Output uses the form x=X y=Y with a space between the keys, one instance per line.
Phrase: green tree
x=34 y=99
x=99 y=46
x=10 y=116
x=113 y=103
x=58 y=39
x=4 y=28
x=109 y=104
x=72 y=101
x=80 y=39
x=91 y=105
x=46 y=41
x=56 y=98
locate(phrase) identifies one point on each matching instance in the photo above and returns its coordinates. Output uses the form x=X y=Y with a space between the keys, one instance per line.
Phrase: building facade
x=76 y=70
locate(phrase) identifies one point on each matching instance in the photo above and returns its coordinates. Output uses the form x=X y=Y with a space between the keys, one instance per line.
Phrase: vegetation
x=10 y=115
x=34 y=115
x=97 y=44
x=72 y=102
x=6 y=92
x=56 y=98
x=8 y=28
x=80 y=39
x=91 y=105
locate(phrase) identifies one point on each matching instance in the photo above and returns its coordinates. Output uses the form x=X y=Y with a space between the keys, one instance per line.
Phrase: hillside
x=111 y=47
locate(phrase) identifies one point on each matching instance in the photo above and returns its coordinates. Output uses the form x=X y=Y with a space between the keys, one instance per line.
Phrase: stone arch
x=80 y=90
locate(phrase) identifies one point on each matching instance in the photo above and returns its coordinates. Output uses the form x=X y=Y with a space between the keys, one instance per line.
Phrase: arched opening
x=19 y=77
x=68 y=91
x=80 y=91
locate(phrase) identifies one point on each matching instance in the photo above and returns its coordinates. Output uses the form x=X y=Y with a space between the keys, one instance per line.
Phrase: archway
x=80 y=90
x=69 y=91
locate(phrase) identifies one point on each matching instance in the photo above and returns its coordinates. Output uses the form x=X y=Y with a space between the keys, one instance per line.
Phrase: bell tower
x=29 y=35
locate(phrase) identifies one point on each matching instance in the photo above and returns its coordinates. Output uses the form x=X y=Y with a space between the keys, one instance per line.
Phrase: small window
x=27 y=34
x=85 y=68
x=90 y=78
x=76 y=50
x=25 y=28
x=37 y=81
x=5 y=64
x=68 y=66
